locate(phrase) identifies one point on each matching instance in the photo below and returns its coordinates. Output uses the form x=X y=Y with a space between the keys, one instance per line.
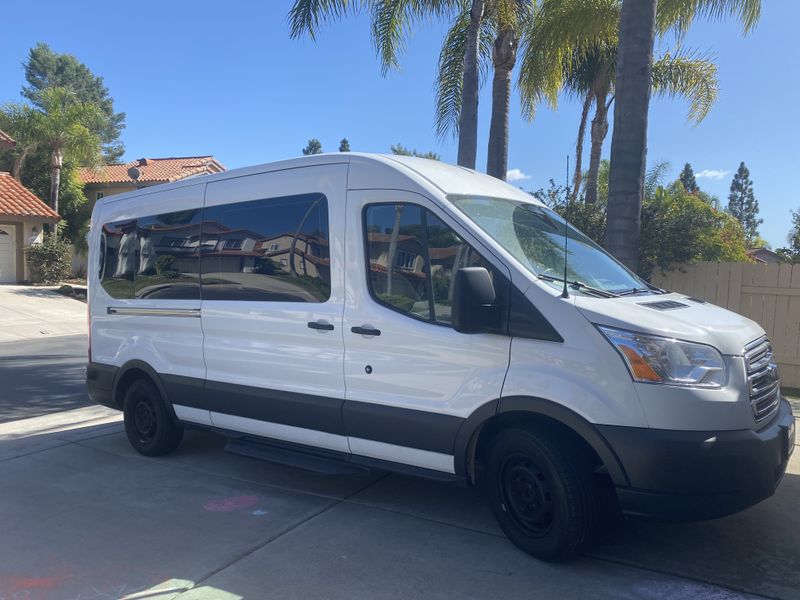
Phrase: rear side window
x=275 y=250
x=153 y=257
x=119 y=264
x=169 y=256
x=413 y=257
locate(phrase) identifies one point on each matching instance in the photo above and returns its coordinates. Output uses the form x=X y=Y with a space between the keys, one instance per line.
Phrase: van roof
x=427 y=173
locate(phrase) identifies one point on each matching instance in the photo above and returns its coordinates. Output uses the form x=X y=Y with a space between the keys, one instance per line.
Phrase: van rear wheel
x=148 y=425
x=541 y=491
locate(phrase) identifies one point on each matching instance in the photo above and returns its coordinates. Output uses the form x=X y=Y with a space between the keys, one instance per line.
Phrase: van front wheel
x=149 y=427
x=541 y=491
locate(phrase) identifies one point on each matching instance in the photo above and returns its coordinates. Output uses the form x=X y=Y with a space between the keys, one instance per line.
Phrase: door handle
x=320 y=326
x=365 y=330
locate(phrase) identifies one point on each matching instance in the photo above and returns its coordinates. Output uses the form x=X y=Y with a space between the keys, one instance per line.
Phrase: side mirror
x=473 y=298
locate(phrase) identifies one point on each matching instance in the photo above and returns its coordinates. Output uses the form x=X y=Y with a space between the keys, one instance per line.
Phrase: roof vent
x=664 y=305
x=141 y=162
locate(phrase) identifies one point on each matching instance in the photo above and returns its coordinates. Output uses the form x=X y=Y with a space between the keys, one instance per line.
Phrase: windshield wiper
x=578 y=285
x=636 y=290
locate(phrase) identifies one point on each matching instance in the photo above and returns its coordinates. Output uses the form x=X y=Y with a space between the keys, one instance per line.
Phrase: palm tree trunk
x=504 y=56
x=637 y=29
x=599 y=132
x=398 y=215
x=56 y=163
x=19 y=162
x=576 y=179
x=468 y=119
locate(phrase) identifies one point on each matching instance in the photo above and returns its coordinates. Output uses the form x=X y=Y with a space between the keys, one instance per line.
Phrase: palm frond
x=393 y=21
x=678 y=15
x=690 y=75
x=560 y=37
x=450 y=75
x=307 y=16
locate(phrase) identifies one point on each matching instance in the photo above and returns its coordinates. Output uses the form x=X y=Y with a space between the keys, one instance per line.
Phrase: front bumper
x=695 y=475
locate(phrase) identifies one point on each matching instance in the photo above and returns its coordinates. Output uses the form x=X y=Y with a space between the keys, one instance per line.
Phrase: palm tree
x=65 y=126
x=497 y=38
x=19 y=120
x=638 y=24
x=480 y=28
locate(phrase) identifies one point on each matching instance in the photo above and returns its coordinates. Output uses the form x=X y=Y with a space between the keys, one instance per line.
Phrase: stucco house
x=22 y=219
x=143 y=172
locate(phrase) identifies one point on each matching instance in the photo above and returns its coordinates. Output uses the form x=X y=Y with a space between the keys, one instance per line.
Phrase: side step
x=293 y=458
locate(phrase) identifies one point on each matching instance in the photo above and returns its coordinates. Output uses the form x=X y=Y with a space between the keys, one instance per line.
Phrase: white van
x=410 y=315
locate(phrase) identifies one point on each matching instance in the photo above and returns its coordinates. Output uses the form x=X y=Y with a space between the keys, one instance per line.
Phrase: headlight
x=655 y=359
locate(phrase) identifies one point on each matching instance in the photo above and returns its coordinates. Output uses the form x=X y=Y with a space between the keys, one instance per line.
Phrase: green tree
x=65 y=127
x=313 y=147
x=639 y=22
x=742 y=203
x=45 y=68
x=401 y=150
x=474 y=22
x=19 y=121
x=791 y=252
x=688 y=180
x=677 y=227
x=573 y=47
x=344 y=145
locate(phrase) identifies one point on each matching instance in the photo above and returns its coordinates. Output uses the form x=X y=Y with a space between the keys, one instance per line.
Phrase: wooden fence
x=768 y=294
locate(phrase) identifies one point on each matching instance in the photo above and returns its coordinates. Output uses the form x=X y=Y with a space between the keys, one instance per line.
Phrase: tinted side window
x=413 y=256
x=448 y=253
x=397 y=257
x=169 y=256
x=120 y=262
x=275 y=249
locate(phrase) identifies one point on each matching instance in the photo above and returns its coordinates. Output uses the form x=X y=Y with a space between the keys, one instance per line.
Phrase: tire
x=149 y=427
x=541 y=491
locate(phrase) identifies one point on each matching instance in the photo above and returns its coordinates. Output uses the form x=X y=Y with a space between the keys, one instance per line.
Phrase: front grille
x=762 y=378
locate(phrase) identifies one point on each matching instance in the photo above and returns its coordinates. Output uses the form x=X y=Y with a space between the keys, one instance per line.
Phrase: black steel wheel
x=542 y=493
x=148 y=425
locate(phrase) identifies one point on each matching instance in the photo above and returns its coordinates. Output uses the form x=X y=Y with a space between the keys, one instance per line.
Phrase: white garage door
x=8 y=259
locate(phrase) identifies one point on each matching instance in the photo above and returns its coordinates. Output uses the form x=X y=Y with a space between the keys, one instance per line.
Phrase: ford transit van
x=409 y=315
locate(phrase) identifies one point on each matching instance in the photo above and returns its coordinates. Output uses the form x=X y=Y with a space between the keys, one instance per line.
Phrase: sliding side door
x=273 y=290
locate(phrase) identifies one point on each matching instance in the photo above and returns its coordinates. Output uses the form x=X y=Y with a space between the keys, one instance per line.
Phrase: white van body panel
x=171 y=345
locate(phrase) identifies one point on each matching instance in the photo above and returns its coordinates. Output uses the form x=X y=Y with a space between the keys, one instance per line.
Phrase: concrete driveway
x=33 y=312
x=83 y=517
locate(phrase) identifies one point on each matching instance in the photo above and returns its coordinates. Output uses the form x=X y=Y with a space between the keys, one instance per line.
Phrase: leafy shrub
x=50 y=261
x=164 y=267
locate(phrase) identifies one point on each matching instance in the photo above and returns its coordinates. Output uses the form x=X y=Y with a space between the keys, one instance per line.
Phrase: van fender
x=140 y=365
x=470 y=430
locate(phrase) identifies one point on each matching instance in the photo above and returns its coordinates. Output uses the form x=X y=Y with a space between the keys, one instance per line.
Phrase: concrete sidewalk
x=33 y=312
x=86 y=517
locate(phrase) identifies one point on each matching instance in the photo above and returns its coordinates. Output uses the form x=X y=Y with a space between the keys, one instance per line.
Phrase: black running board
x=293 y=458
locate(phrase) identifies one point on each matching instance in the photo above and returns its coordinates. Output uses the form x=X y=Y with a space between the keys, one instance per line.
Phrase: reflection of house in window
x=233 y=244
x=404 y=259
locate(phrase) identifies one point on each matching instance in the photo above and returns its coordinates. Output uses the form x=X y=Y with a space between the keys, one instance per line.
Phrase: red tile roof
x=153 y=170
x=18 y=201
x=6 y=140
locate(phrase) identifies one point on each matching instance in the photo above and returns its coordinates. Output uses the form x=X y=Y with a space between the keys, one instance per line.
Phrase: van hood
x=673 y=315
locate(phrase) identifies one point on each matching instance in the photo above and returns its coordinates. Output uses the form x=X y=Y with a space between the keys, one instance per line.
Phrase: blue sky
x=225 y=79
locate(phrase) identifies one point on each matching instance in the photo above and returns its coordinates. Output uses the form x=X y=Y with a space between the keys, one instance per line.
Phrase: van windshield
x=534 y=235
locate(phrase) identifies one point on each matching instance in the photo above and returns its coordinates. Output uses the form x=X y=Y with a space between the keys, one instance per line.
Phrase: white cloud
x=712 y=174
x=516 y=175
